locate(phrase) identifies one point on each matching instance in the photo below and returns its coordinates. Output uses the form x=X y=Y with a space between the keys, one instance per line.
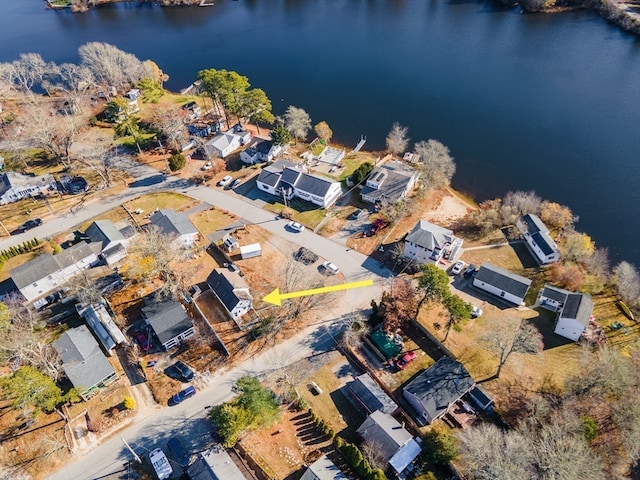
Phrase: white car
x=207 y=166
x=476 y=312
x=458 y=267
x=296 y=227
x=330 y=268
x=225 y=181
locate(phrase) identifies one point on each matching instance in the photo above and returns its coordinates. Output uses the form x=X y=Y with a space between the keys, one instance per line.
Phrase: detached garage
x=502 y=283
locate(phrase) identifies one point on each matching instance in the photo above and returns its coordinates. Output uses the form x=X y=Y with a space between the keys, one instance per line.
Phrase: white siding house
x=429 y=243
x=536 y=234
x=502 y=283
x=260 y=150
x=574 y=310
x=16 y=186
x=222 y=144
x=113 y=242
x=232 y=291
x=390 y=181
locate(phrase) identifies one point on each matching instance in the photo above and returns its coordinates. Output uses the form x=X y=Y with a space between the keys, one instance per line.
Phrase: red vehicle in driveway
x=378 y=225
x=143 y=341
x=408 y=357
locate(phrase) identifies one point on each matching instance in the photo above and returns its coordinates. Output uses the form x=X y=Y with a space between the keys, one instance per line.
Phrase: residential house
x=102 y=325
x=502 y=283
x=192 y=110
x=260 y=150
x=214 y=464
x=16 y=186
x=390 y=181
x=574 y=310
x=83 y=362
x=176 y=224
x=367 y=395
x=169 y=321
x=536 y=234
x=437 y=388
x=47 y=272
x=289 y=180
x=323 y=469
x=231 y=290
x=429 y=243
x=113 y=243
x=222 y=144
x=390 y=439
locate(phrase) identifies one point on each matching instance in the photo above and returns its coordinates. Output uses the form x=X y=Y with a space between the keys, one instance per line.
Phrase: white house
x=169 y=321
x=16 y=186
x=428 y=242
x=47 y=272
x=113 y=243
x=287 y=179
x=231 y=290
x=390 y=181
x=260 y=150
x=574 y=310
x=536 y=234
x=223 y=144
x=502 y=283
x=176 y=224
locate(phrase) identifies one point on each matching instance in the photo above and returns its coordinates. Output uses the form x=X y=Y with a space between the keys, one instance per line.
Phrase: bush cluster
x=14 y=251
x=356 y=460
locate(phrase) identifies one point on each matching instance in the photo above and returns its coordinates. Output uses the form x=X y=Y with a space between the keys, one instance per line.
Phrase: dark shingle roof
x=270 y=175
x=369 y=396
x=539 y=233
x=168 y=319
x=224 y=283
x=171 y=222
x=534 y=224
x=314 y=185
x=555 y=293
x=263 y=146
x=290 y=175
x=441 y=385
x=503 y=279
x=430 y=236
x=103 y=231
x=578 y=306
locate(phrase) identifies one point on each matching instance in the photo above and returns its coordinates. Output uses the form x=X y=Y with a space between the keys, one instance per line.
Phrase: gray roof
x=290 y=175
x=10 y=180
x=214 y=464
x=168 y=319
x=555 y=293
x=534 y=224
x=82 y=360
x=430 y=236
x=219 y=234
x=385 y=432
x=263 y=146
x=171 y=222
x=503 y=279
x=578 y=306
x=441 y=385
x=228 y=286
x=270 y=175
x=75 y=253
x=104 y=231
x=314 y=185
x=394 y=185
x=368 y=395
x=323 y=469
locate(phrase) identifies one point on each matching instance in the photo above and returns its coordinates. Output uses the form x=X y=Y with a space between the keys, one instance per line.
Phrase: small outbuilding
x=250 y=251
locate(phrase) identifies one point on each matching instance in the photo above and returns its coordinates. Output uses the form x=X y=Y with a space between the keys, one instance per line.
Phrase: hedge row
x=356 y=460
x=14 y=251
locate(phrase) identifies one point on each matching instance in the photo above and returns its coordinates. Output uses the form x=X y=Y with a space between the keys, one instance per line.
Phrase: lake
x=549 y=103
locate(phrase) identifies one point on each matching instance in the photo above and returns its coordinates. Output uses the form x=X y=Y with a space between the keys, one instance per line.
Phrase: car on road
x=357 y=214
x=295 y=226
x=234 y=184
x=223 y=182
x=405 y=359
x=143 y=341
x=182 y=395
x=185 y=372
x=207 y=166
x=330 y=268
x=457 y=267
x=471 y=269
x=476 y=311
x=306 y=256
x=177 y=449
x=29 y=224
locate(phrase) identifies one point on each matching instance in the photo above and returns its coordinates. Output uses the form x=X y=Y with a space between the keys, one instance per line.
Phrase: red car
x=143 y=341
x=408 y=357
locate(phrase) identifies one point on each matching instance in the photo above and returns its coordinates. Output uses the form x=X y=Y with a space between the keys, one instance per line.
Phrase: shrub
x=129 y=403
x=338 y=442
x=362 y=171
x=378 y=474
x=302 y=404
x=353 y=455
x=440 y=447
x=590 y=428
x=176 y=162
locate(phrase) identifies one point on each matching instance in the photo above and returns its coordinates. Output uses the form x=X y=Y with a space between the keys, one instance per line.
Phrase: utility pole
x=135 y=455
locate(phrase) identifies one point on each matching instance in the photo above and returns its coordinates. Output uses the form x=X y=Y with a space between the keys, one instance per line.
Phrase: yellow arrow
x=276 y=297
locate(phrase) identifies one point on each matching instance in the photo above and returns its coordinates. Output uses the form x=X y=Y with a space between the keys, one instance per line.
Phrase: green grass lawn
x=303 y=212
x=353 y=161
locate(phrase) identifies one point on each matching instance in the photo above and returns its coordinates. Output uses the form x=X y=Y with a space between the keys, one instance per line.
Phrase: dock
x=360 y=144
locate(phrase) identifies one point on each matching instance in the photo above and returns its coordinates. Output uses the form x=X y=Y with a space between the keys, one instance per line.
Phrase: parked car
x=183 y=395
x=378 y=225
x=225 y=181
x=295 y=226
x=330 y=268
x=177 y=449
x=306 y=256
x=476 y=312
x=234 y=184
x=143 y=341
x=408 y=357
x=357 y=214
x=231 y=266
x=185 y=372
x=207 y=166
x=29 y=224
x=468 y=273
x=457 y=267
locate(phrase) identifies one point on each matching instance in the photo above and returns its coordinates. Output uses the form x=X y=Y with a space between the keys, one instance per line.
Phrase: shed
x=250 y=251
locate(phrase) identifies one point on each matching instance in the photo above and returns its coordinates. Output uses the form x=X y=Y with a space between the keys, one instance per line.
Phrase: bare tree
x=397 y=140
x=111 y=66
x=169 y=121
x=394 y=210
x=516 y=204
x=297 y=122
x=627 y=283
x=74 y=81
x=436 y=163
x=27 y=72
x=598 y=264
x=374 y=453
x=323 y=131
x=512 y=336
x=99 y=156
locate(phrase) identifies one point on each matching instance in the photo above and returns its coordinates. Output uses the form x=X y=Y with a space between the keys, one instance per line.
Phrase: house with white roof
x=176 y=224
x=231 y=290
x=429 y=243
x=502 y=283
x=540 y=243
x=390 y=181
x=323 y=469
x=574 y=310
x=214 y=464
x=16 y=186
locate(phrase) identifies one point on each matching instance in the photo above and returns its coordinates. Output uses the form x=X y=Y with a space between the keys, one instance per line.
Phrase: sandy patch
x=450 y=209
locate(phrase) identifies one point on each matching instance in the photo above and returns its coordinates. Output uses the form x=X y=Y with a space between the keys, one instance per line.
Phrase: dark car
x=178 y=450
x=468 y=273
x=185 y=372
x=357 y=214
x=306 y=256
x=183 y=395
x=29 y=224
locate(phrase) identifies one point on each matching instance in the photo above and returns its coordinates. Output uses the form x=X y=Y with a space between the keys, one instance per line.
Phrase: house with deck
x=176 y=225
x=436 y=389
x=390 y=181
x=574 y=310
x=83 y=362
x=502 y=283
x=538 y=239
x=430 y=243
x=169 y=321
x=232 y=291
x=260 y=150
x=15 y=186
